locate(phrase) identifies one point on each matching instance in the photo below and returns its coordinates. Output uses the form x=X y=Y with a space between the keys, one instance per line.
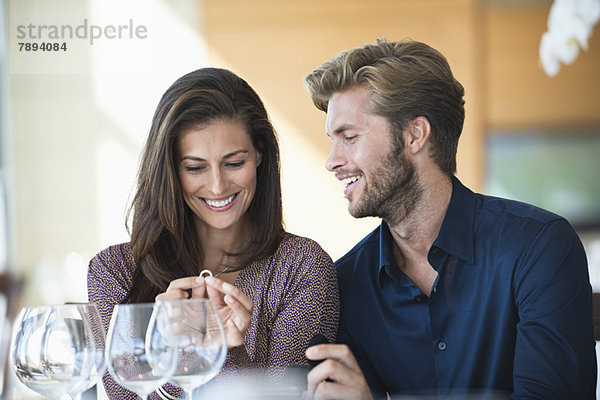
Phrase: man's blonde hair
x=407 y=79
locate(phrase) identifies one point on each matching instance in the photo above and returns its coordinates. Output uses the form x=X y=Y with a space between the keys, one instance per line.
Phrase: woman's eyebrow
x=228 y=155
x=235 y=153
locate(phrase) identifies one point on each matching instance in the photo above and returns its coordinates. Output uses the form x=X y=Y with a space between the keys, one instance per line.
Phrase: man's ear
x=417 y=134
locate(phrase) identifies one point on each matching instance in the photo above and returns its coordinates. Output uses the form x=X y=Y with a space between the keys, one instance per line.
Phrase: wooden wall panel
x=519 y=94
x=274 y=44
x=492 y=48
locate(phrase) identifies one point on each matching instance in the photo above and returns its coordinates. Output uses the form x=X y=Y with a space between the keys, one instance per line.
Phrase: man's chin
x=358 y=212
x=352 y=210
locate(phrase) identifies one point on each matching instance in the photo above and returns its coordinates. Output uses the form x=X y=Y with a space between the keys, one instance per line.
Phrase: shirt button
x=441 y=345
x=420 y=298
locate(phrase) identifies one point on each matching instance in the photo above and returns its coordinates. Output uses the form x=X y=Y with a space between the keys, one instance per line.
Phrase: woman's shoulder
x=110 y=273
x=117 y=256
x=118 y=251
x=293 y=243
x=299 y=251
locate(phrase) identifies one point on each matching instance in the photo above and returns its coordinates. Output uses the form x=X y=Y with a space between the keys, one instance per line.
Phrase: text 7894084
x=43 y=46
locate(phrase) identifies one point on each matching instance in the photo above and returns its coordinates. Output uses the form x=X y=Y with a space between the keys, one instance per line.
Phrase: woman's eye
x=236 y=164
x=194 y=169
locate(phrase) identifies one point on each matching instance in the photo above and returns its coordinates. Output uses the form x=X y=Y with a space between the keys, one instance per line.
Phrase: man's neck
x=414 y=236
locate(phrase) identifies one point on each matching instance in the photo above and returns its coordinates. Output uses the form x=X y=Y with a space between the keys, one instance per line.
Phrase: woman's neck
x=217 y=244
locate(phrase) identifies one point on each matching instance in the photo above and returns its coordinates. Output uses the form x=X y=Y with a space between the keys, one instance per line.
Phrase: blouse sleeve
x=309 y=305
x=110 y=275
x=108 y=280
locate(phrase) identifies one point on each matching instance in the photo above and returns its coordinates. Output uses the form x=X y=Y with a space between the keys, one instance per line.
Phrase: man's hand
x=338 y=376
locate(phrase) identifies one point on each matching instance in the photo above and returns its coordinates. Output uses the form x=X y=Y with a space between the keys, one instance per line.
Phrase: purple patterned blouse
x=295 y=296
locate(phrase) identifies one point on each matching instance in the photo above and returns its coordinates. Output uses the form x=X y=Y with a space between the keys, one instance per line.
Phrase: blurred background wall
x=73 y=123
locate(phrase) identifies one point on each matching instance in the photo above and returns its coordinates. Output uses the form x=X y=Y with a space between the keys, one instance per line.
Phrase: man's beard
x=394 y=189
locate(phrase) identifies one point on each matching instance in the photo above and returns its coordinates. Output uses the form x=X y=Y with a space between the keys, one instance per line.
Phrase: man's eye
x=349 y=139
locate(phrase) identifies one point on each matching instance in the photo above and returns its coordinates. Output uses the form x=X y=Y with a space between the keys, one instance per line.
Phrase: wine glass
x=197 y=332
x=58 y=350
x=138 y=356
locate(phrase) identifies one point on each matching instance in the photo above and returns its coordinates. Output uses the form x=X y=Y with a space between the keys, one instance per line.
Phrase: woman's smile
x=221 y=205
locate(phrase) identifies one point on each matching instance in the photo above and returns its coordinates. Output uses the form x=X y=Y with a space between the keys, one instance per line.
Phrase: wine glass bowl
x=139 y=357
x=59 y=349
x=198 y=334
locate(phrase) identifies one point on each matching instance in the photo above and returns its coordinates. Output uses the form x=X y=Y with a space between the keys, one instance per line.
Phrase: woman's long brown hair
x=164 y=241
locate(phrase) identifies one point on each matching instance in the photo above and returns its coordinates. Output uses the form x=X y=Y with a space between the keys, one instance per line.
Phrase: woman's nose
x=216 y=184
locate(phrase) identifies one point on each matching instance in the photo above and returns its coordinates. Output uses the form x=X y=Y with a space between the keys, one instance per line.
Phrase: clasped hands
x=233 y=306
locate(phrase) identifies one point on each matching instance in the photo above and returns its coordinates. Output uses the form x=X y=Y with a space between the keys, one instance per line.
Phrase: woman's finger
x=171 y=295
x=199 y=291
x=189 y=282
x=182 y=288
x=229 y=289
x=234 y=336
x=240 y=316
x=215 y=295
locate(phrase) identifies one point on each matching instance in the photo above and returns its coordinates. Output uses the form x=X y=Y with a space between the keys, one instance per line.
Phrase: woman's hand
x=180 y=289
x=234 y=307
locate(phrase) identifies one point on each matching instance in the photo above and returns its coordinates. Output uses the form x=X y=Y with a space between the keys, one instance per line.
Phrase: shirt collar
x=386 y=258
x=386 y=254
x=456 y=233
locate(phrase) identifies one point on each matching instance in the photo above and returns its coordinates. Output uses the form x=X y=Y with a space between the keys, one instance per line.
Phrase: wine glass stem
x=188 y=394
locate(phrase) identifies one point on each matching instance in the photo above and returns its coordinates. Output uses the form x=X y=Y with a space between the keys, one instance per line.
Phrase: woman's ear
x=258 y=158
x=418 y=133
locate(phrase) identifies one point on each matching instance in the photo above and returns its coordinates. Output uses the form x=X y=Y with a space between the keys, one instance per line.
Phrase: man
x=455 y=292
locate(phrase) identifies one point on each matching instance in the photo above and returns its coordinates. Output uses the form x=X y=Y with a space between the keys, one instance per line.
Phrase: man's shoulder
x=514 y=209
x=518 y=227
x=493 y=212
x=515 y=216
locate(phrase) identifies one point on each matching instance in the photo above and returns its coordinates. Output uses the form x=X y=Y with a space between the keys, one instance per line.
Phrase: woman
x=209 y=197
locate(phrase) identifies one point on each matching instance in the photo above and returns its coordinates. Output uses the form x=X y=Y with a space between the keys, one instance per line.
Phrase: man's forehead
x=355 y=96
x=347 y=108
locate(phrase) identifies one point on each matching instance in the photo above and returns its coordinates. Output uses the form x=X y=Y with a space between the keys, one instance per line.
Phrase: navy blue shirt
x=511 y=309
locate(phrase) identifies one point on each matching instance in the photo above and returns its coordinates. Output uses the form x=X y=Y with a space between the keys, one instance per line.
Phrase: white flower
x=548 y=48
x=588 y=10
x=570 y=24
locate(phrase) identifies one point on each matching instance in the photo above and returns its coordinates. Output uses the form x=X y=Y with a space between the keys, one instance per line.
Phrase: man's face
x=379 y=179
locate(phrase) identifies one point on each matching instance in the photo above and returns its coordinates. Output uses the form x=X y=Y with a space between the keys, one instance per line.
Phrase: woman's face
x=217 y=173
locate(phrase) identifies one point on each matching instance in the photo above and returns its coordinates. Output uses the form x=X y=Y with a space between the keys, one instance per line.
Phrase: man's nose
x=335 y=159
